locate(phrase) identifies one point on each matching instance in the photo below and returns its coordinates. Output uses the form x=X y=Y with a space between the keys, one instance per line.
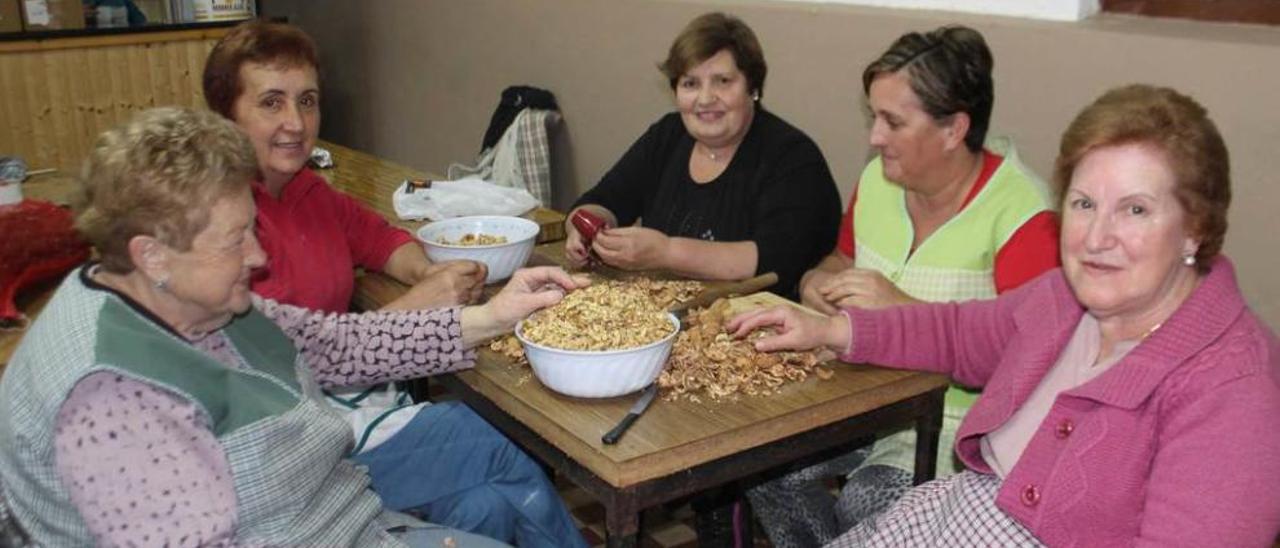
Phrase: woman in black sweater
x=722 y=188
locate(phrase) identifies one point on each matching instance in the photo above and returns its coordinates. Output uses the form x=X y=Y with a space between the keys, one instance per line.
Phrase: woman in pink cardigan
x=1129 y=398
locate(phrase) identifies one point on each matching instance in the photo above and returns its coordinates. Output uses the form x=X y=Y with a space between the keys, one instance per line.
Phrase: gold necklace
x=707 y=151
x=1150 y=331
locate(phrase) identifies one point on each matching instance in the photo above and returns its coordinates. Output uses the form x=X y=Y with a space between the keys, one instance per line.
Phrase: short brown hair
x=159 y=174
x=704 y=37
x=949 y=70
x=254 y=41
x=1181 y=129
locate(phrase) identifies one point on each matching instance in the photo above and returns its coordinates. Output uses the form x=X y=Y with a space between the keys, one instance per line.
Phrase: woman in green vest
x=941 y=213
x=158 y=401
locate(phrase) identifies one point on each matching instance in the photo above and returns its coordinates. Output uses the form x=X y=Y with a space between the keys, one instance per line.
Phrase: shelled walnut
x=610 y=315
x=472 y=240
x=660 y=293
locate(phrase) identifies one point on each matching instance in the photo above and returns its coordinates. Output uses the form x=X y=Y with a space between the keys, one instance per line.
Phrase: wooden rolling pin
x=742 y=287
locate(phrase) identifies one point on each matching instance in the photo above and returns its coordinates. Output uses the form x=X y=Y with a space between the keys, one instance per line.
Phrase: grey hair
x=159 y=174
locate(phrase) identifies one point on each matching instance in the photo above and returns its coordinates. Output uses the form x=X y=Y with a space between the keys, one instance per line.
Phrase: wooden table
x=372 y=180
x=679 y=448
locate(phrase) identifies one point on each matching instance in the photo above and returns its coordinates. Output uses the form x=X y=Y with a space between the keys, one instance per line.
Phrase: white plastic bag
x=460 y=198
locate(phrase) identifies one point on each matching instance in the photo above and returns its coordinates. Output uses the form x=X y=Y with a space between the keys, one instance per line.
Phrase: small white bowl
x=599 y=373
x=502 y=259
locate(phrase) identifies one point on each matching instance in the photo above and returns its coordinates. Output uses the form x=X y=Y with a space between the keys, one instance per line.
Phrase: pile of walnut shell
x=706 y=361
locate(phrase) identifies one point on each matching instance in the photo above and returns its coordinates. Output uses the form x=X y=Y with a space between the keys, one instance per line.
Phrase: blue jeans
x=452 y=468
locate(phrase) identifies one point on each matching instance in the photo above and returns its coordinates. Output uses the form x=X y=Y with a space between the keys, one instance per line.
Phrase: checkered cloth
x=11 y=534
x=520 y=159
x=957 y=511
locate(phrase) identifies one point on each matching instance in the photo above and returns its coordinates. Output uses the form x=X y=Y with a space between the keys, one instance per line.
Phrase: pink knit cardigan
x=1175 y=445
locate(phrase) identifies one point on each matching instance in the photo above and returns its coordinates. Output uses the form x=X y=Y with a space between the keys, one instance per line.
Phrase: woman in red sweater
x=264 y=77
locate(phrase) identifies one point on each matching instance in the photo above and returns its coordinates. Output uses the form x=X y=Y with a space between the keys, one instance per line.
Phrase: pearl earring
x=161 y=284
x=1189 y=259
x=755 y=96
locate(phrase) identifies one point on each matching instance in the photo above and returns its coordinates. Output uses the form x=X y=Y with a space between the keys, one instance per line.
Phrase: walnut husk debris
x=666 y=293
x=509 y=346
x=708 y=362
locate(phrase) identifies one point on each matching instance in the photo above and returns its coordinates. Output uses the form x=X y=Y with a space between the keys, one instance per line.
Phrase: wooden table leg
x=928 y=428
x=628 y=541
x=622 y=522
x=716 y=517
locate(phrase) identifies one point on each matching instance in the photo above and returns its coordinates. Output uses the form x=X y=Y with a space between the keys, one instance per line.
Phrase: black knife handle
x=613 y=435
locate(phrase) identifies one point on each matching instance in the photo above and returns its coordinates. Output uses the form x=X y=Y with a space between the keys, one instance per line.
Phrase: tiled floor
x=660 y=527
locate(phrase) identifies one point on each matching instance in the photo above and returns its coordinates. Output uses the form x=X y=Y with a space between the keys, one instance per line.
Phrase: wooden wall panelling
x=140 y=76
x=117 y=89
x=96 y=94
x=16 y=126
x=177 y=76
x=56 y=97
x=57 y=118
x=82 y=114
x=36 y=85
x=158 y=83
x=196 y=54
x=117 y=95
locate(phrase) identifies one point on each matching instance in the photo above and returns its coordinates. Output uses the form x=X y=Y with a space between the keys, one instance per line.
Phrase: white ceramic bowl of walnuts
x=503 y=244
x=599 y=373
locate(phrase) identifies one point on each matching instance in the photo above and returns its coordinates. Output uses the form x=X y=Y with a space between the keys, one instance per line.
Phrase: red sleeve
x=370 y=238
x=1030 y=252
x=844 y=241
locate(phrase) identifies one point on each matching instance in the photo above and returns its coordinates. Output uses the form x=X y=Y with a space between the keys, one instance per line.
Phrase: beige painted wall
x=416 y=81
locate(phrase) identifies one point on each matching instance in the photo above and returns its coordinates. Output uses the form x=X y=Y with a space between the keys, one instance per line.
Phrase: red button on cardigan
x=1030 y=495
x=1065 y=428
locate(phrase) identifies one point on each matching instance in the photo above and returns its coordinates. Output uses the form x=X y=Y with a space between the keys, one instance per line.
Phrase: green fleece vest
x=284 y=447
x=955 y=263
